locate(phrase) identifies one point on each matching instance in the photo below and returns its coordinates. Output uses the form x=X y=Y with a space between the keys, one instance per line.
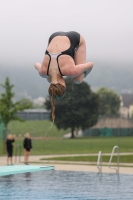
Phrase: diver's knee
x=77 y=82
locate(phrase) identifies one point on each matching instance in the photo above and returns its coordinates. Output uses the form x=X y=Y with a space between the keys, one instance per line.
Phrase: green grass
x=57 y=145
x=123 y=158
x=50 y=140
x=36 y=128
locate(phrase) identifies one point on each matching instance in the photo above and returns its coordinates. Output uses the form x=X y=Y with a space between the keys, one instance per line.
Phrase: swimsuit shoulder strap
x=55 y=55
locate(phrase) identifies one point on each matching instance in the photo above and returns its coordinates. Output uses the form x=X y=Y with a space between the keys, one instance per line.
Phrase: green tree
x=78 y=109
x=26 y=102
x=109 y=102
x=8 y=109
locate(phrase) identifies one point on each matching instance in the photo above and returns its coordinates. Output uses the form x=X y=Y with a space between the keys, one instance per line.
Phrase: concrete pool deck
x=73 y=166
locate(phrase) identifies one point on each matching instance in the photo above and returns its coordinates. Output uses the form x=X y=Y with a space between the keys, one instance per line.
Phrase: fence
x=111 y=126
x=2 y=127
x=107 y=132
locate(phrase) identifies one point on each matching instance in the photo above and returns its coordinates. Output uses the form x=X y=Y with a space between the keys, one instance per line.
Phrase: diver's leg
x=38 y=67
x=80 y=58
x=80 y=55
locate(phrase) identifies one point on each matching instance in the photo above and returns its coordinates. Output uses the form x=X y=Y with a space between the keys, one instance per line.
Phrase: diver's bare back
x=57 y=45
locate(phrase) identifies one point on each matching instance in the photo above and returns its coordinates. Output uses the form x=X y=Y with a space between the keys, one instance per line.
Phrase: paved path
x=74 y=166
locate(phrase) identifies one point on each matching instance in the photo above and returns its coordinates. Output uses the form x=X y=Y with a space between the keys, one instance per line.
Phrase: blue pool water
x=60 y=185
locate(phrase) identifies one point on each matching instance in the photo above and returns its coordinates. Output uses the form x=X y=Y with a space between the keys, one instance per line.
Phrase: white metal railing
x=109 y=165
x=18 y=152
x=99 y=162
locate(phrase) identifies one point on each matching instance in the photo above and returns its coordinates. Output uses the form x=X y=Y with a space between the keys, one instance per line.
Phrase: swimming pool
x=59 y=185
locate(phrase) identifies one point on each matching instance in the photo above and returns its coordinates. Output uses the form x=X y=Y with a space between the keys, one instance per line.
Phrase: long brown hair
x=55 y=90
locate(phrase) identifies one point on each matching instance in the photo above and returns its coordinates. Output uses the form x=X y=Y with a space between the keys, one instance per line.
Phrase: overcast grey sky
x=25 y=25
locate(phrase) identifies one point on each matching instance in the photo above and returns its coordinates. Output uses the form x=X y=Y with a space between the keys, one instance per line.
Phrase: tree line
x=79 y=109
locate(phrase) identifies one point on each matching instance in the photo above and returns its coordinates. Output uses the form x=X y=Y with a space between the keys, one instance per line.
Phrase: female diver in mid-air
x=64 y=56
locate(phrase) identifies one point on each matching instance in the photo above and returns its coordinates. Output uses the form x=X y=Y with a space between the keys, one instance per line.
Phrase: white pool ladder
x=99 y=162
x=118 y=159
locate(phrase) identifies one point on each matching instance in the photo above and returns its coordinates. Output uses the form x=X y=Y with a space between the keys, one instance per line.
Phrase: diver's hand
x=38 y=67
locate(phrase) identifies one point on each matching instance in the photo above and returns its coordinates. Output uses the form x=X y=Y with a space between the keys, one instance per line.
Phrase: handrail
x=99 y=162
x=18 y=151
x=109 y=165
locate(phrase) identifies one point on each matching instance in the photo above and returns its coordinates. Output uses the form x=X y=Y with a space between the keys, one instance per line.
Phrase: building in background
x=126 y=108
x=131 y=111
x=34 y=114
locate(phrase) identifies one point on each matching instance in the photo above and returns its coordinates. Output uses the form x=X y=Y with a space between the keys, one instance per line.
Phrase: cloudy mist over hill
x=27 y=82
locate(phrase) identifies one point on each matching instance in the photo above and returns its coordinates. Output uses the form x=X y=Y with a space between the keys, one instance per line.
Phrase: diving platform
x=19 y=169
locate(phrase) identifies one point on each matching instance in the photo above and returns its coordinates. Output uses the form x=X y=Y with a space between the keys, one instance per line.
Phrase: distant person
x=27 y=145
x=65 y=56
x=9 y=146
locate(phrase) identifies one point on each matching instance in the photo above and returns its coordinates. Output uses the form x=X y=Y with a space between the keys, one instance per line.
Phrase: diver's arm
x=76 y=70
x=38 y=66
x=49 y=79
x=86 y=68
